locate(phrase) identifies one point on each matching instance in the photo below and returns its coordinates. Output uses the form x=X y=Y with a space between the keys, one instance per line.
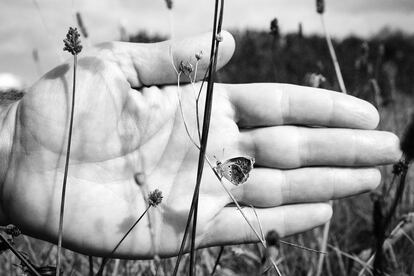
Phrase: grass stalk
x=217 y=260
x=65 y=176
x=192 y=216
x=206 y=121
x=333 y=56
x=105 y=259
x=323 y=246
x=90 y=259
x=27 y=264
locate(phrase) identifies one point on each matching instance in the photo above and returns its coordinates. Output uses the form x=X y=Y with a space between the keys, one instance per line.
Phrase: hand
x=310 y=146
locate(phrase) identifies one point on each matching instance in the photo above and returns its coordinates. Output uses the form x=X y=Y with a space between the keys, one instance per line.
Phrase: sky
x=26 y=25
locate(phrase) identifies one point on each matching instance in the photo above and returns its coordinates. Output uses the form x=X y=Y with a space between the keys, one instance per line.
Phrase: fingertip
x=371 y=114
x=375 y=179
x=226 y=49
x=323 y=213
x=303 y=217
x=392 y=150
x=358 y=113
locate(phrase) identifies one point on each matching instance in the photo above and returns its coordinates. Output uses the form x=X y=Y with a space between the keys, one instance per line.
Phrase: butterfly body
x=236 y=170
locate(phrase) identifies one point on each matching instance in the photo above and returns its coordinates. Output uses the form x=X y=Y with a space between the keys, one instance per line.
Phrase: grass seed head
x=273 y=239
x=199 y=55
x=12 y=230
x=186 y=68
x=320 y=6
x=399 y=167
x=72 y=42
x=169 y=4
x=155 y=198
x=274 y=27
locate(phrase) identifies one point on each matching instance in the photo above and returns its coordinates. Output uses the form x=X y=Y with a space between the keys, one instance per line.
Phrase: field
x=378 y=70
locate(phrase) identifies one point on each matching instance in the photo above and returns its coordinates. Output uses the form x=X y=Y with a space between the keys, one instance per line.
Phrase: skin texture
x=310 y=146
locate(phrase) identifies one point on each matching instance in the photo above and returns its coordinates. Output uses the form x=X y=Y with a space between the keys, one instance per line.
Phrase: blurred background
x=38 y=26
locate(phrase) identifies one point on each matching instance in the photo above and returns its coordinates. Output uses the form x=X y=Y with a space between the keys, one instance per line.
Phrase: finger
x=270 y=187
x=292 y=147
x=278 y=104
x=156 y=63
x=229 y=226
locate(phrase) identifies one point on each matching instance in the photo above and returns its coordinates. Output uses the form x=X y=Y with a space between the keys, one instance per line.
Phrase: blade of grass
x=90 y=259
x=323 y=246
x=105 y=259
x=206 y=123
x=18 y=255
x=192 y=216
x=217 y=261
x=333 y=56
x=65 y=175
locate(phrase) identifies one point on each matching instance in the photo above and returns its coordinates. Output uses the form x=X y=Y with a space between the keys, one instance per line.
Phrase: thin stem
x=90 y=258
x=65 y=176
x=18 y=255
x=386 y=193
x=323 y=246
x=303 y=247
x=217 y=260
x=206 y=122
x=356 y=259
x=333 y=56
x=182 y=113
x=105 y=260
x=237 y=204
x=398 y=196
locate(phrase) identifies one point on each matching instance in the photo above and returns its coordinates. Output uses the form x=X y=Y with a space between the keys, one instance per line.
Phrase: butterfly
x=236 y=170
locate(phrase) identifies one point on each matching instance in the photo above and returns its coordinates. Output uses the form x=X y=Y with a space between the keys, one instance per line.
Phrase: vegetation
x=378 y=70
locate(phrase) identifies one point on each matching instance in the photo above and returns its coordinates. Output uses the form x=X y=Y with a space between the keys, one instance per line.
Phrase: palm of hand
x=118 y=131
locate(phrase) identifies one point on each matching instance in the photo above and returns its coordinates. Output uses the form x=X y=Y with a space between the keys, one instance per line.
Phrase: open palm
x=128 y=121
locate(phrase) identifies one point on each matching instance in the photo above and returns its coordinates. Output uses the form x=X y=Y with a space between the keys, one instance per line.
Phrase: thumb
x=145 y=64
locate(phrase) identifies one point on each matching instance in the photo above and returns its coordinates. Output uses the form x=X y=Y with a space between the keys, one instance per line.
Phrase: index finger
x=270 y=104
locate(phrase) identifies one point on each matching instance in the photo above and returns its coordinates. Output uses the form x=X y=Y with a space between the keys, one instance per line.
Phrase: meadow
x=378 y=70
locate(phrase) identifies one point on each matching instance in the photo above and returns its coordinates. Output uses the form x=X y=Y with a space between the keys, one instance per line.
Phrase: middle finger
x=293 y=147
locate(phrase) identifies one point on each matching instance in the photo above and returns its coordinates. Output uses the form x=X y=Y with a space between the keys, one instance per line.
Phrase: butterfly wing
x=245 y=163
x=237 y=169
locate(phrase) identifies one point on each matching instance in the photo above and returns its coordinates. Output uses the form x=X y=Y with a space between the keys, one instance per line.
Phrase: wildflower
x=72 y=42
x=272 y=239
x=399 y=167
x=169 y=4
x=12 y=230
x=155 y=198
x=274 y=27
x=315 y=80
x=407 y=142
x=185 y=67
x=199 y=55
x=320 y=6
